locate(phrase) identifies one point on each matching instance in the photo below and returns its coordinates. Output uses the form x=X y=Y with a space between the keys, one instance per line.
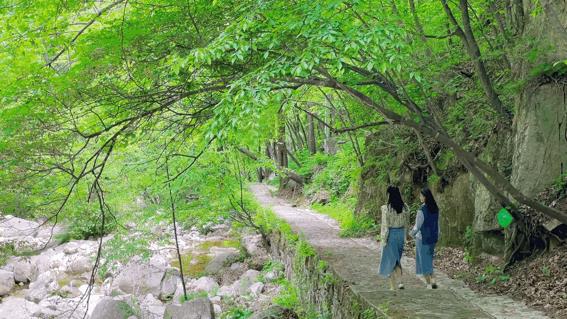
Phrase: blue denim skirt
x=424 y=258
x=392 y=252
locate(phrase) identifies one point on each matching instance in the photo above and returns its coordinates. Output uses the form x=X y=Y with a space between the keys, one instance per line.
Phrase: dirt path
x=356 y=261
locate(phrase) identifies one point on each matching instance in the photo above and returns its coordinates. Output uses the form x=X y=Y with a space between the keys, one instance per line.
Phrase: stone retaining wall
x=322 y=293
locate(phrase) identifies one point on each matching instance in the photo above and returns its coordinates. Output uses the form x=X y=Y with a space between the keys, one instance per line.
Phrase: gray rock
x=272 y=275
x=70 y=292
x=139 y=279
x=159 y=261
x=273 y=312
x=6 y=282
x=43 y=262
x=207 y=284
x=46 y=283
x=36 y=294
x=70 y=248
x=12 y=226
x=256 y=289
x=200 y=308
x=242 y=286
x=221 y=259
x=253 y=245
x=79 y=265
x=112 y=309
x=152 y=308
x=24 y=270
x=217 y=309
x=228 y=291
x=17 y=308
x=540 y=153
x=169 y=284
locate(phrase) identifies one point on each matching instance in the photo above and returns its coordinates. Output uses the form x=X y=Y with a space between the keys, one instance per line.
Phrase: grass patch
x=288 y=297
x=193 y=295
x=190 y=268
x=237 y=313
x=351 y=225
x=6 y=251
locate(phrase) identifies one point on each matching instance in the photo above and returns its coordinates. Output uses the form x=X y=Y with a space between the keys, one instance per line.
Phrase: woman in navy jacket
x=426 y=233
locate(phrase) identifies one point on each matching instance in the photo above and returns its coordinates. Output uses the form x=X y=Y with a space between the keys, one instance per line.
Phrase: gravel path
x=356 y=261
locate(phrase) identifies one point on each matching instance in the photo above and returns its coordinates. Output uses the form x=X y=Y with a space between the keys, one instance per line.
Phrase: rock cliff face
x=533 y=154
x=540 y=132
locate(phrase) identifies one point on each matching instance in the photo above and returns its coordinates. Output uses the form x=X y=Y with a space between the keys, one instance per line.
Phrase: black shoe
x=434 y=286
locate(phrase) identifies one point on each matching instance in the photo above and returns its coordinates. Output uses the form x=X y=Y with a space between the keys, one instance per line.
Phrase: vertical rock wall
x=540 y=138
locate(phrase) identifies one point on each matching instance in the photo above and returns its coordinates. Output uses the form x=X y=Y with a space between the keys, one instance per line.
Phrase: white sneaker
x=401 y=286
x=429 y=286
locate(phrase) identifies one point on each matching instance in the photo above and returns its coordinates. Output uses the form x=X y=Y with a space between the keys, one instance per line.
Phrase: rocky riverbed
x=224 y=272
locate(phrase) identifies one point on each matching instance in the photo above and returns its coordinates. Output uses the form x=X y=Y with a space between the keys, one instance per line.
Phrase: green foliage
x=6 y=251
x=193 y=295
x=333 y=173
x=469 y=245
x=121 y=249
x=288 y=297
x=492 y=275
x=351 y=224
x=272 y=266
x=546 y=271
x=237 y=313
x=98 y=114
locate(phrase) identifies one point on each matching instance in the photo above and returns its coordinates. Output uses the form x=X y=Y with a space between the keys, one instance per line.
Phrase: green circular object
x=504 y=218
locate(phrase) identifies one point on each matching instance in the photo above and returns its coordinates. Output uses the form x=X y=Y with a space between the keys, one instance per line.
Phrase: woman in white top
x=395 y=220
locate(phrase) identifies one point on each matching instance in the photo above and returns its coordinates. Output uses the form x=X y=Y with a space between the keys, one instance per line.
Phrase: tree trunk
x=311 y=141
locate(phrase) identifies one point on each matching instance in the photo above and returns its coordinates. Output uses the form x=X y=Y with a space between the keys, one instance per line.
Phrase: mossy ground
x=228 y=243
x=194 y=264
x=190 y=268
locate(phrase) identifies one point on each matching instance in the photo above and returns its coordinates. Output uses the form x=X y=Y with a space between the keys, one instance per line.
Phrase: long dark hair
x=430 y=200
x=395 y=199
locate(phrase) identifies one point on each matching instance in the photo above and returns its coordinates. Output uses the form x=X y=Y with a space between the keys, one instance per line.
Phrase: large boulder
x=227 y=291
x=152 y=308
x=112 y=309
x=26 y=235
x=249 y=278
x=169 y=284
x=17 y=308
x=6 y=282
x=254 y=245
x=457 y=205
x=140 y=279
x=11 y=226
x=46 y=283
x=206 y=284
x=80 y=264
x=223 y=256
x=47 y=260
x=200 y=308
x=24 y=270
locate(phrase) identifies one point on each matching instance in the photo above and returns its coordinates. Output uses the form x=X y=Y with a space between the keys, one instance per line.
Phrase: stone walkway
x=356 y=261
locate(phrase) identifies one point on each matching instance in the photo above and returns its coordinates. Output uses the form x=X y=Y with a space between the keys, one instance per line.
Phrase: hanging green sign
x=504 y=218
